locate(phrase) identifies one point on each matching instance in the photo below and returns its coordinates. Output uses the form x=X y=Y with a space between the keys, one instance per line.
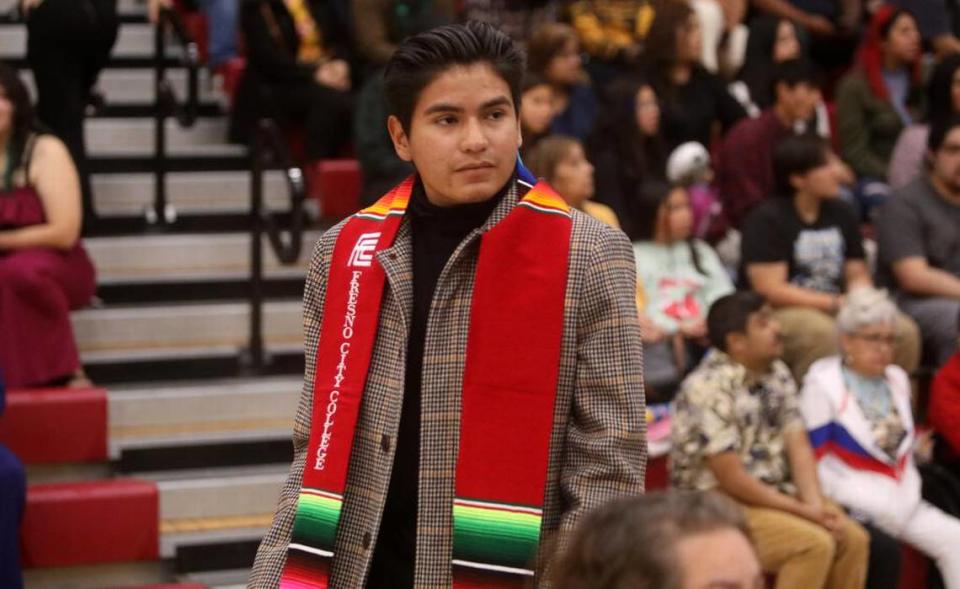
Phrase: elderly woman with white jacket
x=858 y=414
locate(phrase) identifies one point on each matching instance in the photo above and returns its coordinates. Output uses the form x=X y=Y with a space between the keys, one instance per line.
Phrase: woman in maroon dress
x=44 y=271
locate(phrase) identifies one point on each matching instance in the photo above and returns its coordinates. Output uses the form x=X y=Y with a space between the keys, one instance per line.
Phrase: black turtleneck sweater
x=436 y=233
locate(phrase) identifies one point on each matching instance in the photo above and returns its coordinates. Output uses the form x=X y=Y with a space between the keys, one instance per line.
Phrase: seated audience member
x=919 y=245
x=745 y=166
x=612 y=31
x=858 y=411
x=737 y=428
x=562 y=162
x=381 y=166
x=536 y=110
x=518 y=19
x=380 y=25
x=221 y=18
x=627 y=149
x=296 y=72
x=881 y=96
x=13 y=494
x=772 y=41
x=802 y=251
x=692 y=100
x=724 y=35
x=672 y=540
x=933 y=20
x=943 y=411
x=44 y=271
x=833 y=26
x=681 y=277
x=554 y=54
x=943 y=101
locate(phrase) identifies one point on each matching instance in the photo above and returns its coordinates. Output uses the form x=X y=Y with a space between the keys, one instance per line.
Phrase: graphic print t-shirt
x=815 y=253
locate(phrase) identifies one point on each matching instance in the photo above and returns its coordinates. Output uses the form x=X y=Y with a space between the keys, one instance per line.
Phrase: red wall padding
x=336 y=183
x=56 y=425
x=95 y=522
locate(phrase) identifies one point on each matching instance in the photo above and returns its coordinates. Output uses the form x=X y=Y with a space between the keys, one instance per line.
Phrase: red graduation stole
x=509 y=389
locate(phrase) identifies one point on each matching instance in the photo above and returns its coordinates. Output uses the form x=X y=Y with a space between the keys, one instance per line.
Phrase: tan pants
x=804 y=555
x=809 y=334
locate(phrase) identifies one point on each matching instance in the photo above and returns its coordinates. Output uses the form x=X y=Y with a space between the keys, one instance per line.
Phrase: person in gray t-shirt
x=918 y=231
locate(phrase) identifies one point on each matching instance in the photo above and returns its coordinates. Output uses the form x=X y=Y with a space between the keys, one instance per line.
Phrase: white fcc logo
x=362 y=254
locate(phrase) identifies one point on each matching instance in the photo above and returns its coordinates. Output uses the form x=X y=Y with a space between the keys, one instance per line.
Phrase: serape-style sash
x=509 y=389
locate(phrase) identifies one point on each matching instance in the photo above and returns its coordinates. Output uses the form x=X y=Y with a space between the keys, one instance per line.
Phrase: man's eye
x=445 y=121
x=497 y=114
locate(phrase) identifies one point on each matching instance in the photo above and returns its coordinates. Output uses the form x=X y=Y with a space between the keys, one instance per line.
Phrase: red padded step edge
x=336 y=183
x=96 y=522
x=56 y=425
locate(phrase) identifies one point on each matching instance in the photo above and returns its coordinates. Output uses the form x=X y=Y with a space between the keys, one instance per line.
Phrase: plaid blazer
x=598 y=443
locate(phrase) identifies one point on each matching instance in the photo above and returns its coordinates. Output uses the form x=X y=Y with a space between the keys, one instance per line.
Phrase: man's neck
x=944 y=191
x=755 y=369
x=807 y=207
x=780 y=111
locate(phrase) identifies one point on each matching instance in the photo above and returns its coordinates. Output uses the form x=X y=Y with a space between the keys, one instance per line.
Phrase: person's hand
x=819 y=25
x=334 y=74
x=694 y=330
x=649 y=331
x=833 y=521
x=826 y=516
x=154 y=6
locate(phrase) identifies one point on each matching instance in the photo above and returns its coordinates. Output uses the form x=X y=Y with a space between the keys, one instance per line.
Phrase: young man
x=503 y=396
x=919 y=244
x=737 y=428
x=745 y=166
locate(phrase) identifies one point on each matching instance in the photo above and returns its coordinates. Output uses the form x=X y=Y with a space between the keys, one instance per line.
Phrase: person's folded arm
x=769 y=279
x=734 y=480
x=915 y=275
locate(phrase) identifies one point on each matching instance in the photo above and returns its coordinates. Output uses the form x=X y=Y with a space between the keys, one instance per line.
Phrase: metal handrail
x=270 y=151
x=186 y=112
x=167 y=105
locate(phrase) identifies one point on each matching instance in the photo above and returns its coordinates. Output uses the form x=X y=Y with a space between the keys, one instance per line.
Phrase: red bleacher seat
x=658 y=476
x=96 y=522
x=336 y=184
x=56 y=425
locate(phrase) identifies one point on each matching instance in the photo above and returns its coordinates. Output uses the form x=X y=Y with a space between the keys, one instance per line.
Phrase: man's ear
x=519 y=134
x=401 y=144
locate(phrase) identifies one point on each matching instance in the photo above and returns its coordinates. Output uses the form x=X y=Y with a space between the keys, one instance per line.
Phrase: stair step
x=125 y=86
x=134 y=136
x=219 y=503
x=235 y=409
x=134 y=40
x=114 y=575
x=167 y=258
x=189 y=192
x=128 y=333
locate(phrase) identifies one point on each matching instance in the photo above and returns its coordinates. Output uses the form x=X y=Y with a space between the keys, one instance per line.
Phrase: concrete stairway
x=169 y=329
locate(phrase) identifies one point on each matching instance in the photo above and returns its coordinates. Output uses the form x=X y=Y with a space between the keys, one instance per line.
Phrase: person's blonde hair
x=544 y=157
x=631 y=543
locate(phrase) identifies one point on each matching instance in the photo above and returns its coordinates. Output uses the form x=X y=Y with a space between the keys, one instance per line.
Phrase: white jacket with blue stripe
x=853 y=470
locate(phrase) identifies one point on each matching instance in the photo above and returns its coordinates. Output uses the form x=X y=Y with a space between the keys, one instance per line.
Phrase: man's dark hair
x=797 y=155
x=421 y=58
x=939 y=129
x=793 y=72
x=730 y=314
x=631 y=543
